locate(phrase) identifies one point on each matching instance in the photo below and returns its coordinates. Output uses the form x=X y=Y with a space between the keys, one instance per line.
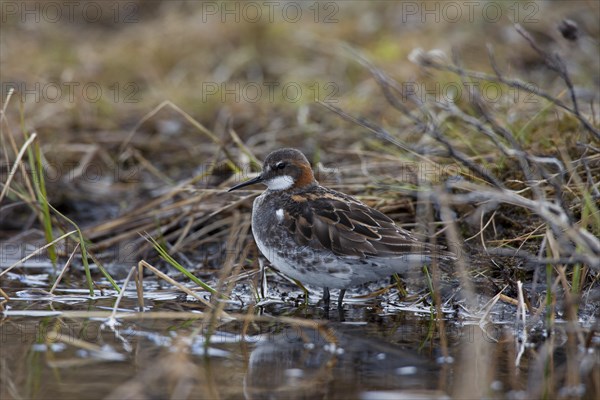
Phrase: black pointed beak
x=258 y=179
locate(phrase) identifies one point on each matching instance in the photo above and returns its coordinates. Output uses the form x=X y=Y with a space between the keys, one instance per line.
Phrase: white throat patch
x=282 y=182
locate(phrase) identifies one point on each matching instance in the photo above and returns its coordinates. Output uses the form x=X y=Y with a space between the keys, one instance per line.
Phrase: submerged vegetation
x=114 y=215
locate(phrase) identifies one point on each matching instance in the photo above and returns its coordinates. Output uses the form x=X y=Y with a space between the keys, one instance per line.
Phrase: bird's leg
x=341 y=299
x=326 y=296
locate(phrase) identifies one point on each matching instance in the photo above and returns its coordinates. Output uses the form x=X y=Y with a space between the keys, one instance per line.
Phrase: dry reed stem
x=233 y=242
x=553 y=214
x=13 y=170
x=173 y=282
x=64 y=269
x=148 y=315
x=111 y=318
x=139 y=286
x=5 y=299
x=37 y=251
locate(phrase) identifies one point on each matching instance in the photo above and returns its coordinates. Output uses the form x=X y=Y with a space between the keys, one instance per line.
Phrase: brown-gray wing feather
x=348 y=227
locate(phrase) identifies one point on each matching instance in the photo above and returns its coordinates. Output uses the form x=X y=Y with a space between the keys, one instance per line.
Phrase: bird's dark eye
x=280 y=165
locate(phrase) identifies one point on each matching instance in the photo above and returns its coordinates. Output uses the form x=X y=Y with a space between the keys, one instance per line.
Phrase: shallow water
x=67 y=345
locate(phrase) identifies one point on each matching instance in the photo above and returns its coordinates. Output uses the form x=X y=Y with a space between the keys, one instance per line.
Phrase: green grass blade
x=105 y=272
x=85 y=255
x=37 y=172
x=167 y=257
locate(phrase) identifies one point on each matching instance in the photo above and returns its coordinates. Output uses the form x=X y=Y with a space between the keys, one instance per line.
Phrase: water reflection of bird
x=301 y=363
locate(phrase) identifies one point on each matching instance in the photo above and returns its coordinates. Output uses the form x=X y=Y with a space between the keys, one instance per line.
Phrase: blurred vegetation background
x=90 y=77
x=89 y=71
